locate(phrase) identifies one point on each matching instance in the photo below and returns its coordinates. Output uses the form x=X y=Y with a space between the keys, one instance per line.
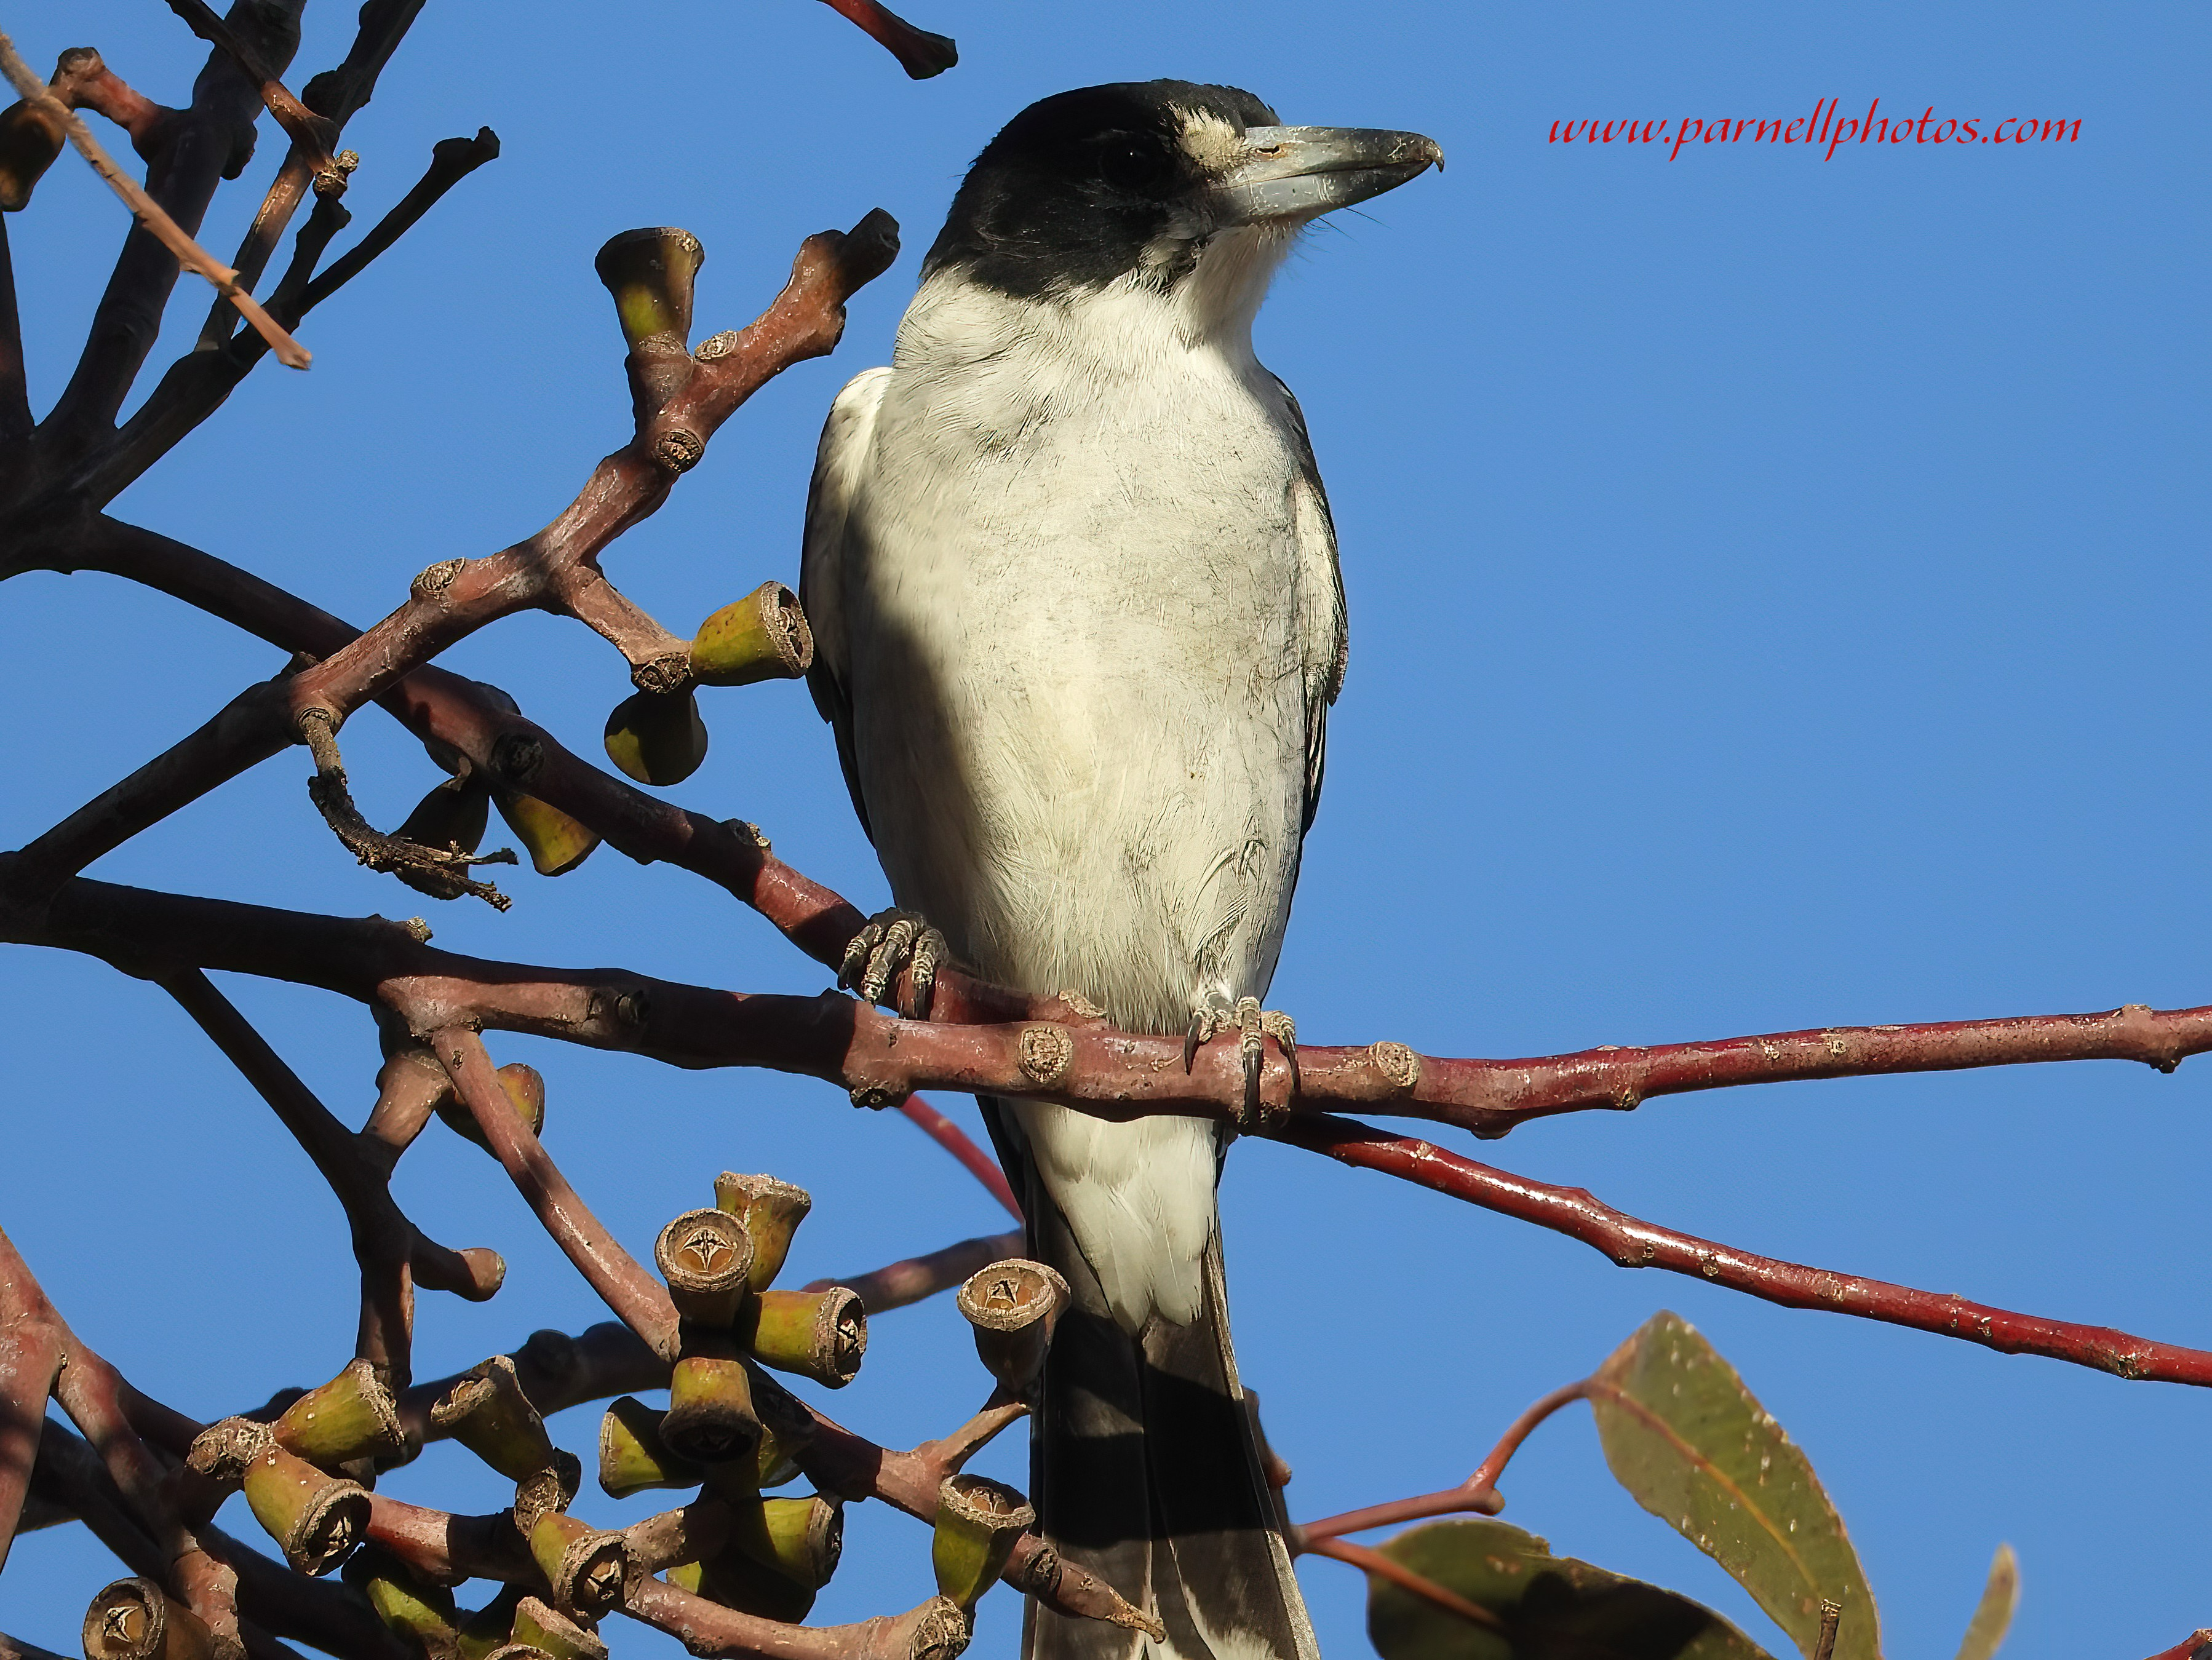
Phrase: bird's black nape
x=1073 y=189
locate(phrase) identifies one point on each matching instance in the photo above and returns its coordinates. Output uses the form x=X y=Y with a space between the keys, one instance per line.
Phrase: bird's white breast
x=1081 y=694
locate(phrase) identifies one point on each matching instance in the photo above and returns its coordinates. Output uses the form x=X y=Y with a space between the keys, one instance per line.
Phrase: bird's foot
x=1253 y=1026
x=895 y=939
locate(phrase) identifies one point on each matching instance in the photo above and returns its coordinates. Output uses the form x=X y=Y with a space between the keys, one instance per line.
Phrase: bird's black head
x=1086 y=188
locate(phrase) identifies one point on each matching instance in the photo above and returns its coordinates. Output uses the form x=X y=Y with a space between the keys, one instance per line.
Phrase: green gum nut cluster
x=736 y=1581
x=650 y=273
x=710 y=1417
x=585 y=1568
x=633 y=1458
x=978 y=1523
x=821 y=1334
x=549 y=1632
x=488 y=1413
x=800 y=1539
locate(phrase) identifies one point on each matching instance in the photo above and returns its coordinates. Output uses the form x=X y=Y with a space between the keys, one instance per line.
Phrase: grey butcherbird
x=1079 y=621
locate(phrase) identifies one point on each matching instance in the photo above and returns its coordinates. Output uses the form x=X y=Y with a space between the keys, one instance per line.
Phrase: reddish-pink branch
x=1478 y=1493
x=897 y=1284
x=30 y=1358
x=1633 y=1244
x=95 y=1397
x=1101 y=1071
x=957 y=1142
x=936 y=1630
x=919 y=54
x=1374 y=1562
x=641 y=1300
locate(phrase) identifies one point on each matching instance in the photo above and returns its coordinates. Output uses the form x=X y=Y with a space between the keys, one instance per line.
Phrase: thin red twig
x=1374 y=1562
x=1478 y=1493
x=897 y=1284
x=957 y=1142
x=641 y=1300
x=919 y=54
x=1633 y=1244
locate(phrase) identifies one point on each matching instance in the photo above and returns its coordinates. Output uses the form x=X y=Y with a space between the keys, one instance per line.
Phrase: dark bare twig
x=1831 y=1614
x=150 y=213
x=196 y=384
x=311 y=134
x=337 y=94
x=452 y=160
x=442 y=873
x=394 y=1254
x=15 y=421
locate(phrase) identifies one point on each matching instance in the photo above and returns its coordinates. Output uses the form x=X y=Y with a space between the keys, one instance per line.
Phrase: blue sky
x=1777 y=591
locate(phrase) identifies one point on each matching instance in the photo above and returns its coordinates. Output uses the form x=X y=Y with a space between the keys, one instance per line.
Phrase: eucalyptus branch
x=394 y=1254
x=641 y=1300
x=898 y=1284
x=337 y=94
x=311 y=134
x=450 y=600
x=148 y=212
x=1092 y=1068
x=1633 y=1244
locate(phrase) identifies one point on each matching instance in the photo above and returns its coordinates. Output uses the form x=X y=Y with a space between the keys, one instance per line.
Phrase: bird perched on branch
x=1079 y=621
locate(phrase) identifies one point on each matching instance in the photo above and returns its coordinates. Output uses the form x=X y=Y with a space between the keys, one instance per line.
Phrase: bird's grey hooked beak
x=1292 y=173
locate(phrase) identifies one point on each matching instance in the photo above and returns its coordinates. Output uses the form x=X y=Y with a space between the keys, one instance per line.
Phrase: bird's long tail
x=1147 y=1469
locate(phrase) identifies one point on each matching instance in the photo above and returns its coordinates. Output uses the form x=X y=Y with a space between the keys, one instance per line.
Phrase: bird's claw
x=1253 y=1026
x=891 y=940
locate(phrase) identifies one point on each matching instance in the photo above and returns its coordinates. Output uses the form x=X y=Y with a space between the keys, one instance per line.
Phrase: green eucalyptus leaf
x=1553 y=1607
x=1994 y=1615
x=1684 y=1435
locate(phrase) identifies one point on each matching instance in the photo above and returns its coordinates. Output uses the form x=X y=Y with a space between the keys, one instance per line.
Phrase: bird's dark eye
x=1128 y=164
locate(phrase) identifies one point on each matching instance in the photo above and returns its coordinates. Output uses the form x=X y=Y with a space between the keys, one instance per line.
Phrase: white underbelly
x=1079 y=723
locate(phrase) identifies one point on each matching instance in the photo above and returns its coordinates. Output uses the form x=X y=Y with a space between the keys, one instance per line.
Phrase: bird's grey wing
x=840 y=469
x=1323 y=630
